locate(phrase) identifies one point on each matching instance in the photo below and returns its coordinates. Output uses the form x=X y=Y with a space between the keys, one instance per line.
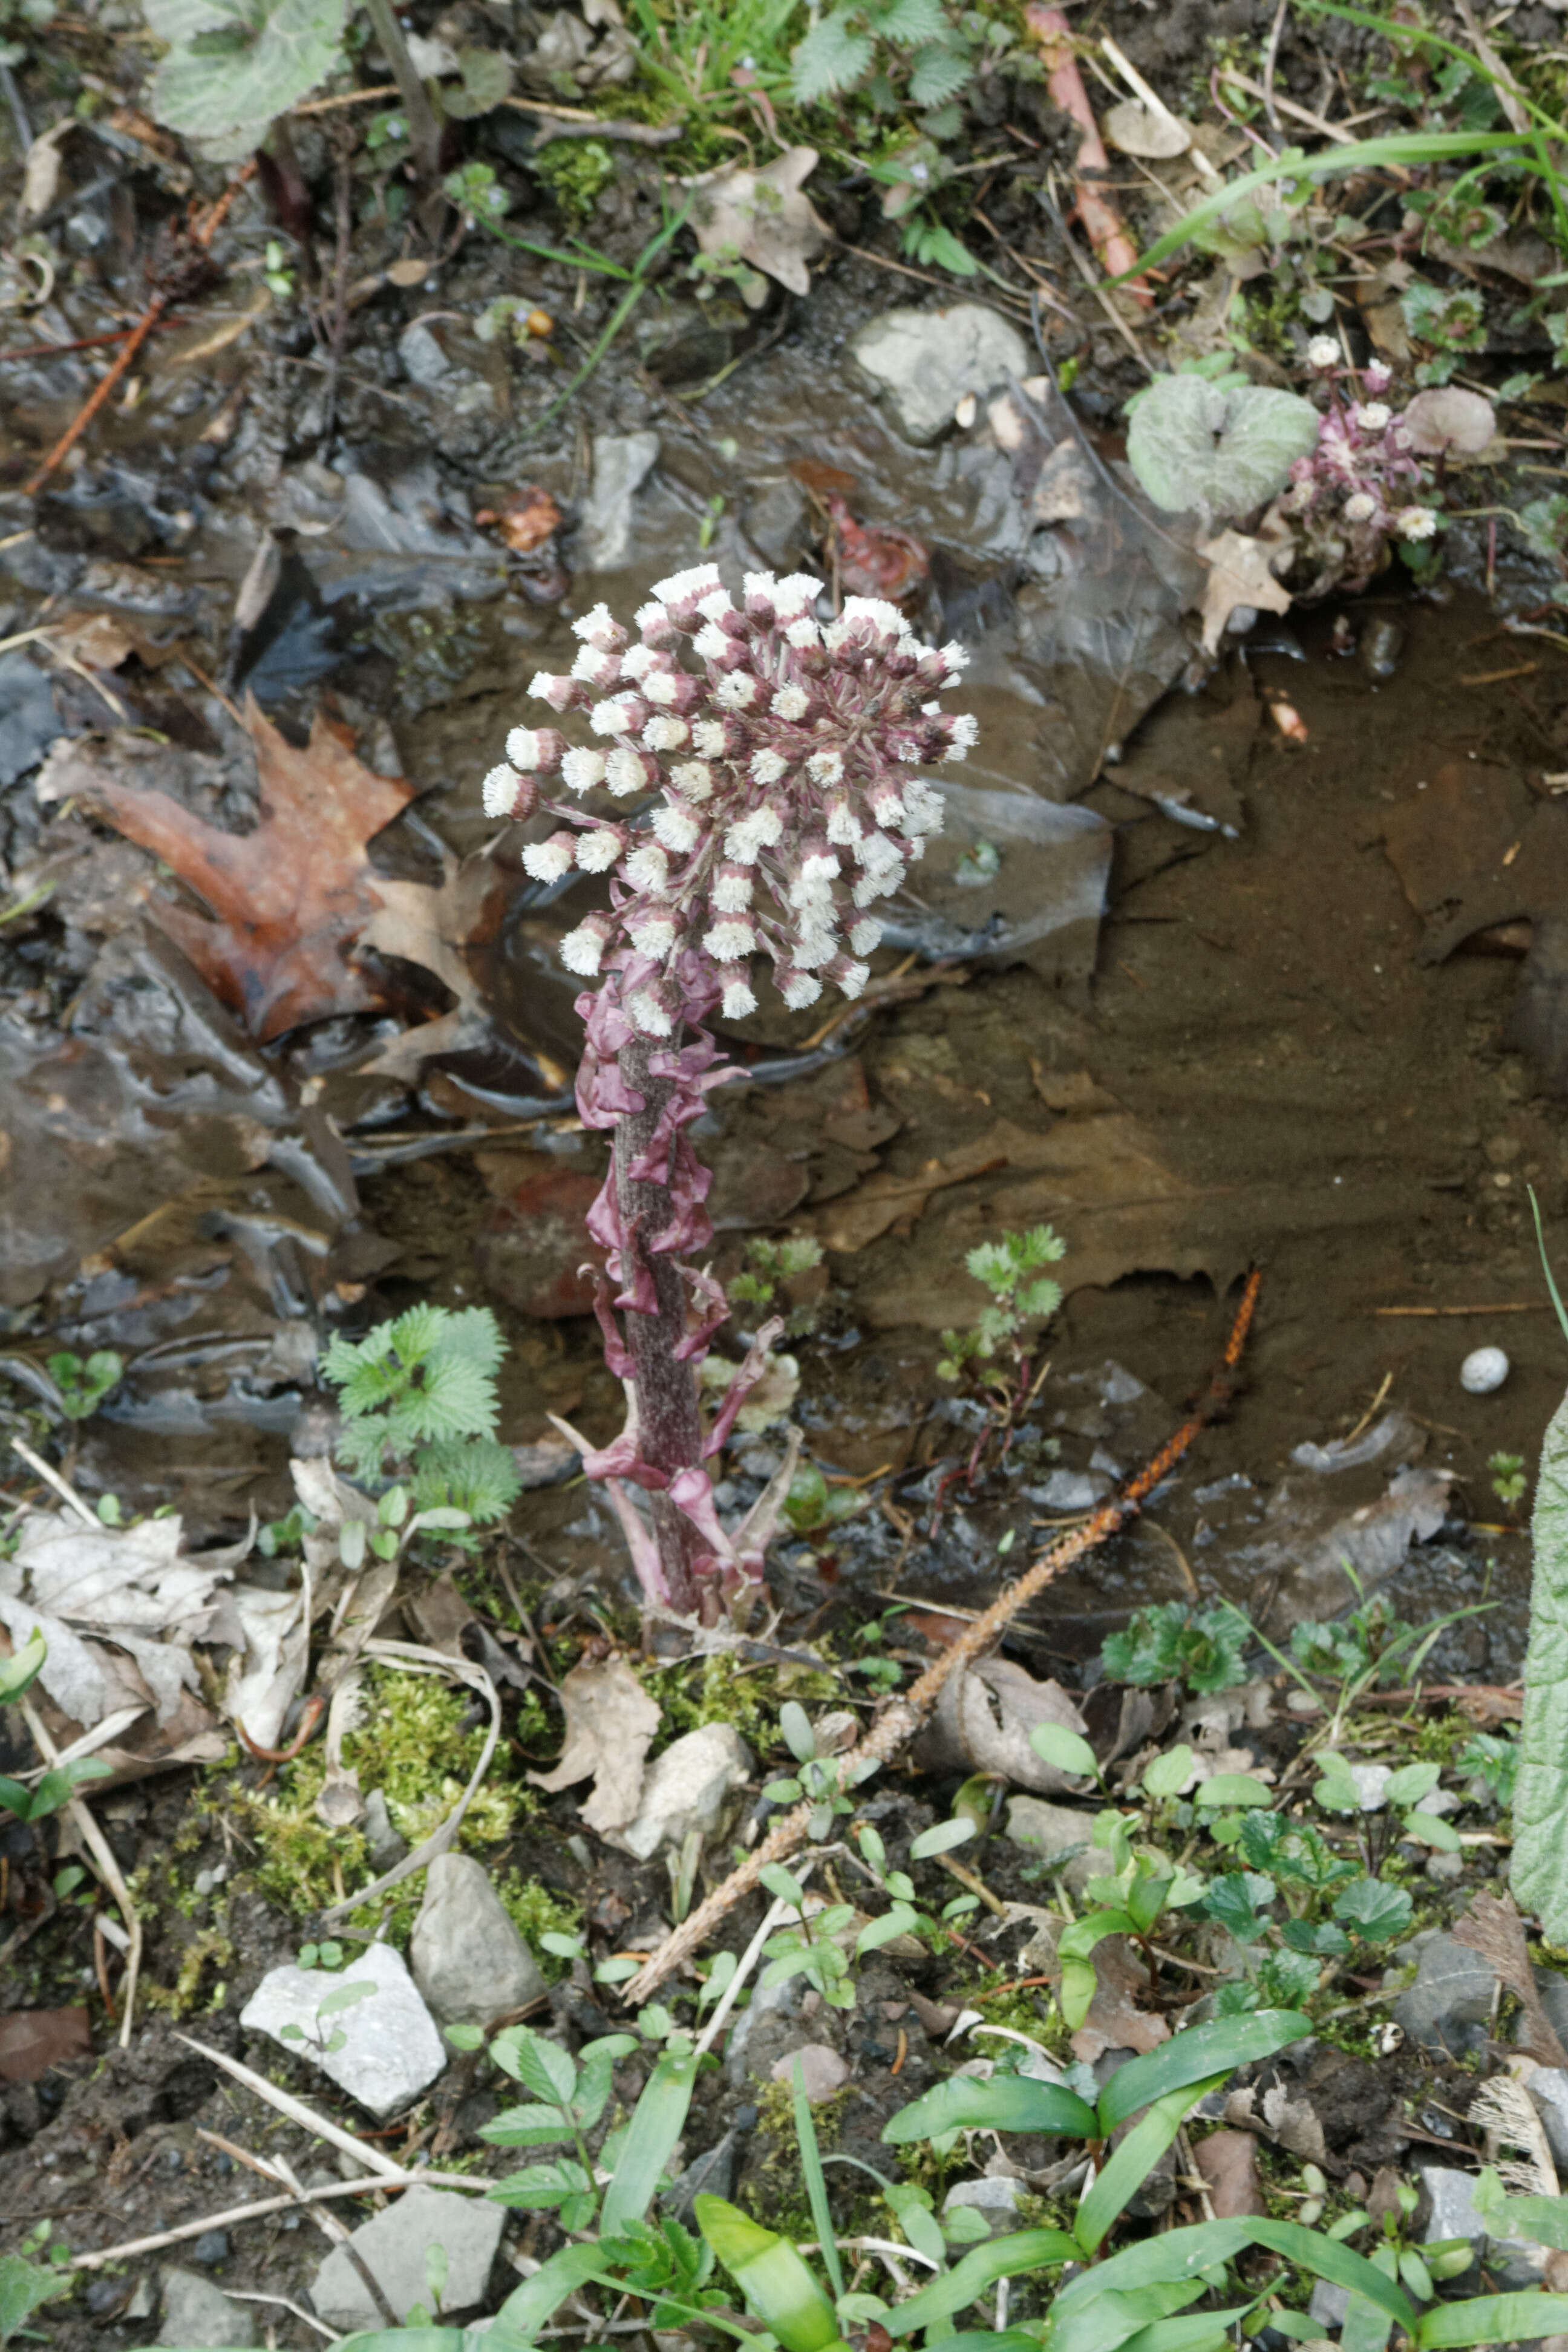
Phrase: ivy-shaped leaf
x=1200 y=449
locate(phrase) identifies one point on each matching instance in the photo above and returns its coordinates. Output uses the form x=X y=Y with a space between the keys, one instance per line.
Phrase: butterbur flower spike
x=770 y=790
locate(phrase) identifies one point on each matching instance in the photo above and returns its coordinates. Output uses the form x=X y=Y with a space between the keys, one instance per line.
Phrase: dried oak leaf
x=1240 y=575
x=763 y=218
x=610 y=1725
x=286 y=898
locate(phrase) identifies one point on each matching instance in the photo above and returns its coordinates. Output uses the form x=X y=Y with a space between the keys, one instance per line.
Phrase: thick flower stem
x=669 y=1423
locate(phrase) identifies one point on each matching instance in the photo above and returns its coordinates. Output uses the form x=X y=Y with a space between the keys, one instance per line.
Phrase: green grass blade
x=1006 y=2103
x=815 y=2180
x=1493 y=2319
x=1361 y=155
x=1130 y=2166
x=1009 y=2257
x=658 y=2121
x=1223 y=2045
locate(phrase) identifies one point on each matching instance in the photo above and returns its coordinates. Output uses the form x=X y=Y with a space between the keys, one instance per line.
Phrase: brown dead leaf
x=1228 y=2163
x=762 y=217
x=1115 y=2019
x=1240 y=573
x=982 y=1721
x=434 y=928
x=1293 y=2122
x=34 y=2040
x=286 y=898
x=853 y=1222
x=1496 y=1931
x=610 y=1725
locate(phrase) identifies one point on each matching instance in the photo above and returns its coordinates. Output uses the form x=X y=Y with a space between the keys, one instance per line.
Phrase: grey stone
x=198 y=2315
x=1328 y=2305
x=1445 y=1867
x=144 y=2301
x=714 y=2173
x=823 y=2072
x=1553 y=1991
x=423 y=360
x=1512 y=2261
x=925 y=361
x=1051 y=1831
x=997 y=2198
x=469 y=1963
x=1548 y=2087
x=384 y=1843
x=211 y=2249
x=391 y=2050
x=1070 y=1490
x=685 y=1789
x=394 y=2247
x=622 y=463
x=1449 y=2007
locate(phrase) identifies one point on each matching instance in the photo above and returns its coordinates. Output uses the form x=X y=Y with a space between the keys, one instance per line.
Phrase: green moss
x=724 y=1689
x=537 y=1910
x=775 y=2194
x=412 y=1747
x=575 y=172
x=179 y=1999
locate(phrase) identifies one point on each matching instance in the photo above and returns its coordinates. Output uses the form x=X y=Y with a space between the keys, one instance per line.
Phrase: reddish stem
x=668 y=1422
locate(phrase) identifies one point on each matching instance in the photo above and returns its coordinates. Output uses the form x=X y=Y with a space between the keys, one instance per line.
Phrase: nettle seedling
x=1010 y=1268
x=419 y=1405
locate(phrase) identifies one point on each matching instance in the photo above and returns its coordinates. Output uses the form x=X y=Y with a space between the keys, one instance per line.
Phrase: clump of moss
x=724 y=1689
x=413 y=1746
x=536 y=1910
x=179 y=1999
x=575 y=172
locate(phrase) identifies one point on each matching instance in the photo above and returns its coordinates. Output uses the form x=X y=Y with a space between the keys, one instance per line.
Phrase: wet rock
x=998 y=2198
x=198 y=2315
x=469 y=1963
x=394 y=2247
x=28 y=719
x=1449 y=2005
x=535 y=1252
x=1052 y=1831
x=823 y=2070
x=712 y=2173
x=925 y=361
x=685 y=1789
x=622 y=463
x=1548 y=2087
x=211 y=2249
x=391 y=2050
x=384 y=1843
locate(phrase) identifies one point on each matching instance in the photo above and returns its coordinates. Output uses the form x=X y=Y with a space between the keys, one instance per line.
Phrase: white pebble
x=1483 y=1369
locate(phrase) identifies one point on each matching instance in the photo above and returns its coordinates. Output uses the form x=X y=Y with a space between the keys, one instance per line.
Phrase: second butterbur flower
x=785 y=769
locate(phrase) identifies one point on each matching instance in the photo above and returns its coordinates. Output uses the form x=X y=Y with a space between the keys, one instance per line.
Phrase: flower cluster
x=1356 y=491
x=773 y=791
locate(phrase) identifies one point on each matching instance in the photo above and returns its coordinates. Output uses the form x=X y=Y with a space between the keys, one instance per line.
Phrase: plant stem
x=424 y=131
x=668 y=1421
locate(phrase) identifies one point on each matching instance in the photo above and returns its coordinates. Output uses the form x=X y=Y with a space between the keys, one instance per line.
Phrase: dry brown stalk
x=899 y=1723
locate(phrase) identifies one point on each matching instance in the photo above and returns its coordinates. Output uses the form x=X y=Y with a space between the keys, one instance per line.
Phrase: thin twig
x=51 y=1477
x=230 y=2218
x=904 y=1717
x=102 y=1852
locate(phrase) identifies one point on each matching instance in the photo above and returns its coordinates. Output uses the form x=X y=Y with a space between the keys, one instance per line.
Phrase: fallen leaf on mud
x=610 y=1726
x=1115 y=2020
x=1496 y=1931
x=876 y=558
x=982 y=1721
x=884 y=1198
x=1228 y=2162
x=763 y=218
x=1240 y=573
x=1448 y=420
x=1293 y=2122
x=34 y=2040
x=287 y=898
x=131 y=1588
x=432 y=929
x=271 y=1653
x=1137 y=130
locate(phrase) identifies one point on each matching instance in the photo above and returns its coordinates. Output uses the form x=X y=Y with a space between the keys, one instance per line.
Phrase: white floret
x=500 y=790
x=582 y=771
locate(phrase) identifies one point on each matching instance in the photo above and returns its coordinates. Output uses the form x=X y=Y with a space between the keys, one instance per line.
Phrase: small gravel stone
x=198 y=2315
x=394 y=2244
x=211 y=2249
x=1449 y=2007
x=997 y=2198
x=1484 y=1370
x=925 y=361
x=685 y=1789
x=823 y=2070
x=391 y=2050
x=469 y=1963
